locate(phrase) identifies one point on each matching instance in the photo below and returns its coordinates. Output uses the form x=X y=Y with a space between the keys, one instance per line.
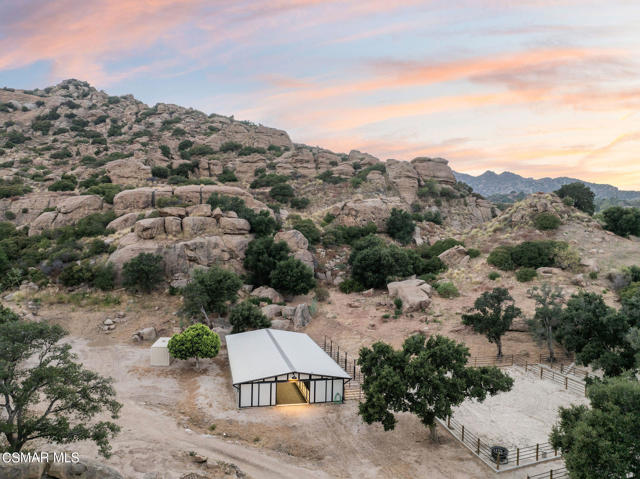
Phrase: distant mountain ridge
x=491 y=183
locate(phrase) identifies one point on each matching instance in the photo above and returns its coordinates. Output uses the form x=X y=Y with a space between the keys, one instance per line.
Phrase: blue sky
x=541 y=88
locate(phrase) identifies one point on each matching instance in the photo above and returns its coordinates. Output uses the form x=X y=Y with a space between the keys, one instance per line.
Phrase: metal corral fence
x=544 y=372
x=516 y=456
x=560 y=473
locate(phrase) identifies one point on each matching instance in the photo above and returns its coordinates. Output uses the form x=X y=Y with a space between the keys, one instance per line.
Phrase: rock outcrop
x=69 y=211
x=359 y=211
x=414 y=293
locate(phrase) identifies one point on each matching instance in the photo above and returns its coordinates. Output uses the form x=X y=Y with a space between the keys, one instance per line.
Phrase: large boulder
x=294 y=239
x=455 y=256
x=272 y=310
x=404 y=178
x=359 y=211
x=84 y=469
x=149 y=228
x=267 y=292
x=365 y=159
x=69 y=211
x=234 y=226
x=436 y=168
x=128 y=171
x=123 y=222
x=414 y=293
x=301 y=316
x=199 y=225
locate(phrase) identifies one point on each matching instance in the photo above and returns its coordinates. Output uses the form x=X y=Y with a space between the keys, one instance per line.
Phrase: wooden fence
x=560 y=473
x=516 y=456
x=544 y=372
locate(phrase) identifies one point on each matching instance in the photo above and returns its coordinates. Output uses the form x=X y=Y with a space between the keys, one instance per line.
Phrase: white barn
x=270 y=367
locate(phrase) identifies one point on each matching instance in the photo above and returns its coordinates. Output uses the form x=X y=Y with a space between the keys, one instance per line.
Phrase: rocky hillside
x=73 y=156
x=490 y=183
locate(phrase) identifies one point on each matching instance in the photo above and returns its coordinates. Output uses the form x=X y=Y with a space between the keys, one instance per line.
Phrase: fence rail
x=543 y=372
x=559 y=473
x=516 y=456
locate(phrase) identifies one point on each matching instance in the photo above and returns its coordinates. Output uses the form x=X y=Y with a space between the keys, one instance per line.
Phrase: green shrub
x=322 y=294
x=473 y=253
x=547 y=221
x=581 y=194
x=76 y=274
x=629 y=292
x=245 y=316
x=431 y=188
x=374 y=264
x=328 y=218
x=447 y=289
x=10 y=215
x=210 y=290
x=292 y=277
x=526 y=274
x=437 y=248
x=104 y=277
x=500 y=257
x=96 y=247
x=328 y=177
x=493 y=275
x=535 y=254
x=201 y=150
x=593 y=275
x=340 y=235
x=400 y=226
x=185 y=145
x=264 y=180
x=299 y=203
x=106 y=190
x=308 y=228
x=160 y=171
x=350 y=285
x=227 y=175
x=143 y=273
x=281 y=192
x=229 y=146
x=197 y=341
x=622 y=221
x=262 y=223
x=261 y=258
x=250 y=150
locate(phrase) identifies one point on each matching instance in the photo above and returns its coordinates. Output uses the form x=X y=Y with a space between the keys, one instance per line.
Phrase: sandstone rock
x=128 y=171
x=404 y=177
x=306 y=258
x=130 y=251
x=294 y=239
x=359 y=212
x=199 y=210
x=436 y=168
x=80 y=206
x=149 y=228
x=85 y=469
x=146 y=334
x=414 y=293
x=199 y=225
x=591 y=264
x=271 y=310
x=365 y=159
x=548 y=271
x=301 y=316
x=456 y=256
x=42 y=223
x=123 y=222
x=173 y=211
x=173 y=226
x=288 y=312
x=234 y=226
x=281 y=324
x=579 y=280
x=217 y=213
x=267 y=292
x=138 y=199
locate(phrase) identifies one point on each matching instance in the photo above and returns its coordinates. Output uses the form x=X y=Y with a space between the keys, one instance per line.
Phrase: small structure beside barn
x=160 y=352
x=271 y=367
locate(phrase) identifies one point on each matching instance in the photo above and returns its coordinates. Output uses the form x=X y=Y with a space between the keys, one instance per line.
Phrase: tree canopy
x=197 y=341
x=604 y=440
x=581 y=194
x=261 y=258
x=596 y=332
x=210 y=291
x=622 y=221
x=400 y=226
x=427 y=377
x=292 y=276
x=143 y=273
x=45 y=393
x=245 y=316
x=494 y=313
x=547 y=316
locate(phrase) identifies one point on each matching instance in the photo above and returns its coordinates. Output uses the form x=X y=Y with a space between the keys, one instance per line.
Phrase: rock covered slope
x=70 y=151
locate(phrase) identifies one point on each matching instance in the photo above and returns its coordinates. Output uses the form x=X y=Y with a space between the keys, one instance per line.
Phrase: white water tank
x=160 y=352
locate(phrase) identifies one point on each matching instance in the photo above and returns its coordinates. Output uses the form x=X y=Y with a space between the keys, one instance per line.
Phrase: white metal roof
x=265 y=353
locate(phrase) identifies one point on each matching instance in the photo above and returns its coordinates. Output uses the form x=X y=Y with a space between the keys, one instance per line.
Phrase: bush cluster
x=340 y=235
x=547 y=221
x=262 y=223
x=529 y=254
x=308 y=228
x=400 y=226
x=622 y=221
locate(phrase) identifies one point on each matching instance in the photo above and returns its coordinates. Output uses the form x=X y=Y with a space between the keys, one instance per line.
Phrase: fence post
x=325 y=342
x=463 y=433
x=585 y=389
x=537 y=451
x=338 y=354
x=331 y=348
x=518 y=457
x=498 y=460
x=345 y=360
x=512 y=360
x=449 y=422
x=540 y=366
x=478 y=447
x=550 y=473
x=561 y=368
x=525 y=365
x=566 y=382
x=354 y=369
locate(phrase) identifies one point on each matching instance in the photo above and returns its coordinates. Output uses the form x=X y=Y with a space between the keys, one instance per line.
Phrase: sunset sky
x=540 y=88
